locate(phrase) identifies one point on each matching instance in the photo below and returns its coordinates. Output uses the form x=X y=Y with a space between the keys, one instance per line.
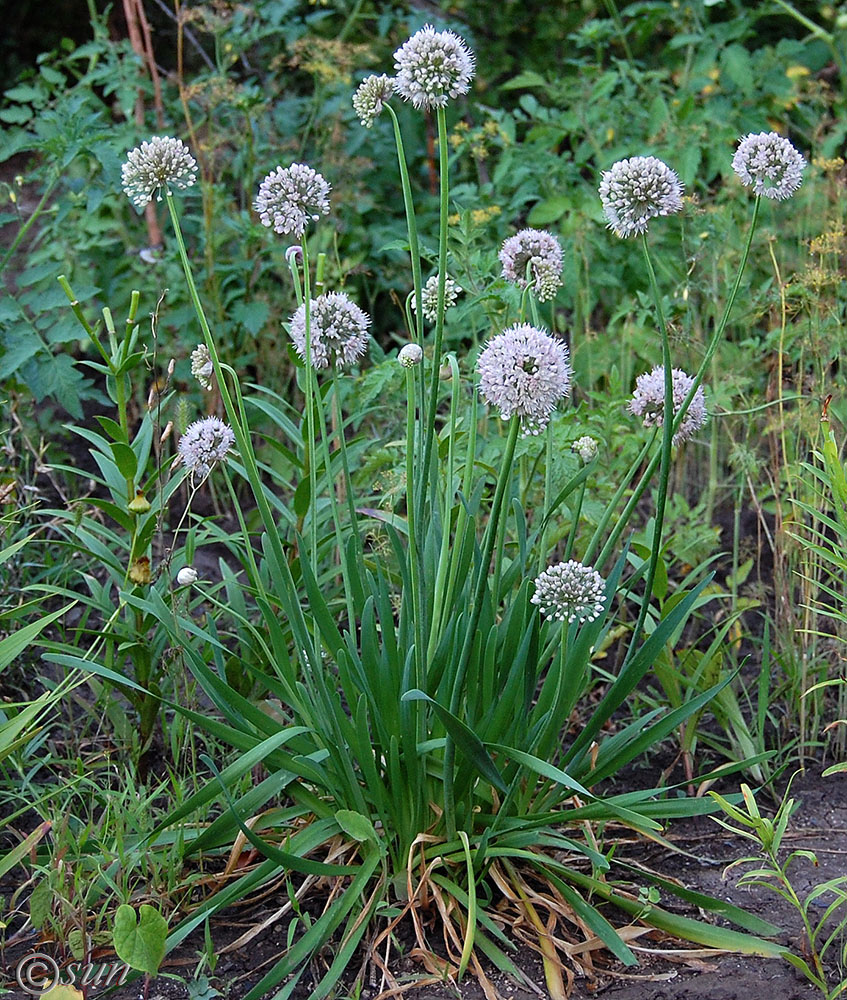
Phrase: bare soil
x=668 y=969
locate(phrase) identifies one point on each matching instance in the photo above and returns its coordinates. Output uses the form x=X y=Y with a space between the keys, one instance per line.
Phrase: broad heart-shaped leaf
x=140 y=944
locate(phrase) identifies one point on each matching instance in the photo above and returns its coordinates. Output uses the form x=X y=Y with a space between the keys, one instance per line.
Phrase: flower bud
x=186 y=576
x=410 y=355
x=139 y=504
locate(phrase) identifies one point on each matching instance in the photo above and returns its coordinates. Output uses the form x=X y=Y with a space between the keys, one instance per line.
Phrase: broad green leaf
x=40 y=903
x=139 y=939
x=356 y=825
x=125 y=459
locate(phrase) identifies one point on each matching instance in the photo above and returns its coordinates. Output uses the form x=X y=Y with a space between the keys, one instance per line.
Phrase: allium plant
x=525 y=371
x=418 y=730
x=429 y=297
x=648 y=402
x=433 y=67
x=533 y=256
x=769 y=164
x=290 y=198
x=339 y=331
x=636 y=190
x=155 y=167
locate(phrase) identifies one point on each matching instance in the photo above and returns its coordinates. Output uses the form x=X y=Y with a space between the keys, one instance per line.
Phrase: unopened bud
x=186 y=576
x=410 y=355
x=139 y=504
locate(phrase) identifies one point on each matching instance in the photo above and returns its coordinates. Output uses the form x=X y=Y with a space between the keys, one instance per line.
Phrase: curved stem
x=25 y=228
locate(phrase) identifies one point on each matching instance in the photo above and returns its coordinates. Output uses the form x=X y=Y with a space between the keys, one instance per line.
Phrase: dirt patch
x=668 y=969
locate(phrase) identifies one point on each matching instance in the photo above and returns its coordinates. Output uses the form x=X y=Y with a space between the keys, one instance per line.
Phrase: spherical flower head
x=291 y=197
x=429 y=297
x=370 y=97
x=187 y=576
x=769 y=164
x=205 y=443
x=648 y=401
x=156 y=166
x=201 y=366
x=586 y=447
x=637 y=190
x=541 y=252
x=433 y=67
x=410 y=355
x=338 y=330
x=569 y=592
x=525 y=371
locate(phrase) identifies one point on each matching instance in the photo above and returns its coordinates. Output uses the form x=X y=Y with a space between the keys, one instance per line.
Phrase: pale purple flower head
x=370 y=97
x=338 y=330
x=569 y=592
x=205 y=443
x=432 y=67
x=636 y=190
x=648 y=401
x=525 y=371
x=429 y=297
x=156 y=166
x=769 y=164
x=539 y=250
x=291 y=197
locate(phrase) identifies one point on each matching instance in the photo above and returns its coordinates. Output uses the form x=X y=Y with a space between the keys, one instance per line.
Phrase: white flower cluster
x=525 y=371
x=156 y=166
x=201 y=365
x=429 y=297
x=338 y=330
x=205 y=443
x=370 y=98
x=648 y=401
x=291 y=197
x=636 y=190
x=769 y=164
x=586 y=447
x=433 y=67
x=569 y=592
x=541 y=253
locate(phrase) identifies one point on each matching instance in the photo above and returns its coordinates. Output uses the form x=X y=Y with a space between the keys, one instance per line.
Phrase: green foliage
x=139 y=937
x=823 y=909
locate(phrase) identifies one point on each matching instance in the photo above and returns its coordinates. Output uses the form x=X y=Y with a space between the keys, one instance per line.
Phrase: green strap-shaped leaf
x=465 y=739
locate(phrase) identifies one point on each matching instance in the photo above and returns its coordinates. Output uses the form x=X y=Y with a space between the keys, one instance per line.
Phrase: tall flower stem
x=309 y=376
x=414 y=563
x=473 y=619
x=665 y=459
x=429 y=430
x=288 y=600
x=414 y=248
